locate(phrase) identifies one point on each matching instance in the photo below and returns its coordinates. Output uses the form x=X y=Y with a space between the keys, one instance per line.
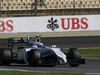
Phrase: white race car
x=36 y=54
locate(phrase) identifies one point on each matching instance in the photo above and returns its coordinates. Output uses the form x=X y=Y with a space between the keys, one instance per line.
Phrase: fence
x=12 y=8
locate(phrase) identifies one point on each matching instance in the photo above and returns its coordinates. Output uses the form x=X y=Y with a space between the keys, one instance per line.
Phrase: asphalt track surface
x=75 y=42
x=92 y=66
x=63 y=42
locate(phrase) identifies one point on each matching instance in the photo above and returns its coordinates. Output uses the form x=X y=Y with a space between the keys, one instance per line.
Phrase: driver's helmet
x=40 y=45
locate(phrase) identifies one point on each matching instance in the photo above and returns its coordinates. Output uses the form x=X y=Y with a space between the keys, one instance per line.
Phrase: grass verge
x=54 y=35
x=33 y=73
x=87 y=52
x=71 y=35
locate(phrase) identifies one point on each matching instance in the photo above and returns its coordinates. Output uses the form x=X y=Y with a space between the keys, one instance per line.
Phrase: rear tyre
x=33 y=57
x=73 y=57
x=5 y=56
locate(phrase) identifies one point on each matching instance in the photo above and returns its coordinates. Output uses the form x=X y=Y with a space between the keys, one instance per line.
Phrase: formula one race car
x=36 y=54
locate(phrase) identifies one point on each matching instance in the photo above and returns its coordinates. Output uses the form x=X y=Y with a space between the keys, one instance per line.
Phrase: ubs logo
x=52 y=24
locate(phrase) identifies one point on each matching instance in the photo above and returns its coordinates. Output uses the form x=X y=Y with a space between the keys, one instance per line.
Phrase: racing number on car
x=6 y=25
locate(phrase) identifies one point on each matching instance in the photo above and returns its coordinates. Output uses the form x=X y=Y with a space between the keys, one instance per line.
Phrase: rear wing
x=20 y=40
x=12 y=41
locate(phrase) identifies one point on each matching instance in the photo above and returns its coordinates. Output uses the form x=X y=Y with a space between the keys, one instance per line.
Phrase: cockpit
x=35 y=42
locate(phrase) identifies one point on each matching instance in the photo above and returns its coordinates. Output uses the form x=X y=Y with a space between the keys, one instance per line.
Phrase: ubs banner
x=50 y=24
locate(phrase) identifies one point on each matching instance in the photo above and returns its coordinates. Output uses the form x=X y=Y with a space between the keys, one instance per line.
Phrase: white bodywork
x=22 y=55
x=60 y=54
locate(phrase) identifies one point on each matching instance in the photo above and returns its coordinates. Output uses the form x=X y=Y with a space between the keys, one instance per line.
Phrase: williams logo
x=52 y=24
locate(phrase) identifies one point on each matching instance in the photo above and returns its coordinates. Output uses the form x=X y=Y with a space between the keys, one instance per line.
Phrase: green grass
x=53 y=35
x=87 y=52
x=33 y=73
x=70 y=35
x=90 y=52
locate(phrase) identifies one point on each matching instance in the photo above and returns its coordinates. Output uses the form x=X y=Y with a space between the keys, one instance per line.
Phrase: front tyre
x=33 y=57
x=73 y=57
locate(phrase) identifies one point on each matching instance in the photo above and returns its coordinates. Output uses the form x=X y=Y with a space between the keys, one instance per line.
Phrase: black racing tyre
x=73 y=57
x=5 y=56
x=33 y=57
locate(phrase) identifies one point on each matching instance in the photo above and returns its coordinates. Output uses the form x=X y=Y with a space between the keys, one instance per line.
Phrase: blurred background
x=20 y=8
